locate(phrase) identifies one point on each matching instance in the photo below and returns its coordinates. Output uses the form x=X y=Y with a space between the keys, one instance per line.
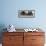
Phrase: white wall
x=9 y=14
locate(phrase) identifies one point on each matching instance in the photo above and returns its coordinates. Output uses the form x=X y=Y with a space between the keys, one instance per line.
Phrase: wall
x=9 y=13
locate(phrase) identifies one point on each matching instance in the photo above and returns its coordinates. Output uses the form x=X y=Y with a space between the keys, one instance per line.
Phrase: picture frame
x=26 y=13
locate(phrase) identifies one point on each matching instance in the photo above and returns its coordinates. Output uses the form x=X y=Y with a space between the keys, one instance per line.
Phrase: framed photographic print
x=26 y=13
